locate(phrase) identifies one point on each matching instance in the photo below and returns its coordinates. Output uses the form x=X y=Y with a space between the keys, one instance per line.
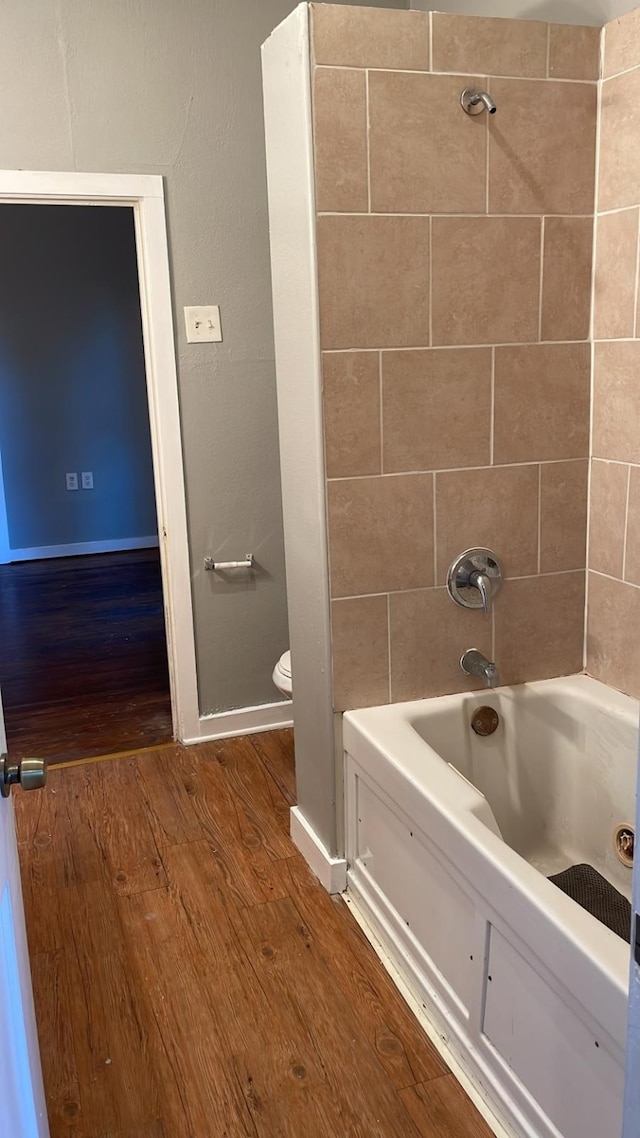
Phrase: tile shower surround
x=613 y=640
x=454 y=263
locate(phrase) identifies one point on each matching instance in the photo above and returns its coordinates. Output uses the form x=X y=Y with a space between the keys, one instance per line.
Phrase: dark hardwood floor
x=193 y=980
x=83 y=656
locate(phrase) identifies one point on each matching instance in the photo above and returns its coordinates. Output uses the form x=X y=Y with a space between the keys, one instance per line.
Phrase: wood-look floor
x=193 y=980
x=83 y=655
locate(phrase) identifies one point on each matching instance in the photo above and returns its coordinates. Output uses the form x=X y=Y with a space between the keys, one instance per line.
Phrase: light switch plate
x=203 y=324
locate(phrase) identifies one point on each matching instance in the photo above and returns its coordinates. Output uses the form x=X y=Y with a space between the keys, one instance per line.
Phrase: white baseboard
x=331 y=871
x=244 y=721
x=79 y=548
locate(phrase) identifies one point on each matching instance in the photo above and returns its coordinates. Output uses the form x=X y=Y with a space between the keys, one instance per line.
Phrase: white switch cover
x=72 y=481
x=203 y=324
x=86 y=480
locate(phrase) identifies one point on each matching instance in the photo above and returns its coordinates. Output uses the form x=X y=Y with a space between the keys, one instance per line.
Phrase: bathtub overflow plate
x=623 y=843
x=485 y=721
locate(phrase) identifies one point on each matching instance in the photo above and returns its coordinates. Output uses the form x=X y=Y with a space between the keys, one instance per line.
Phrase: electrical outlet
x=203 y=324
x=72 y=481
x=86 y=479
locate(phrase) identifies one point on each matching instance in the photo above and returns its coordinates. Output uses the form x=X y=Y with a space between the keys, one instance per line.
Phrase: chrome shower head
x=474 y=102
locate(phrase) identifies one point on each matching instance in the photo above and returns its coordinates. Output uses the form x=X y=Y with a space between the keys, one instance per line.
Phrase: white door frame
x=145 y=194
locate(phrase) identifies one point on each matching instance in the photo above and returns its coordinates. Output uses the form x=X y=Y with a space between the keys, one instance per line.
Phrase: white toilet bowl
x=282 y=675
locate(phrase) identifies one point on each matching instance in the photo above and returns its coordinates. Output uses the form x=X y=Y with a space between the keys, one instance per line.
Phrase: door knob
x=30 y=773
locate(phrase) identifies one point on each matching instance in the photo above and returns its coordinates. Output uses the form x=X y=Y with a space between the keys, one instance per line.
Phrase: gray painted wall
x=156 y=86
x=596 y=12
x=72 y=377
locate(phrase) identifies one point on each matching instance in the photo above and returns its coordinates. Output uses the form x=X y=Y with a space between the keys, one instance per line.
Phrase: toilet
x=282 y=675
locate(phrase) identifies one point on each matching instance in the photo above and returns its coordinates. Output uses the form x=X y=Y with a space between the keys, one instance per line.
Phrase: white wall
x=596 y=12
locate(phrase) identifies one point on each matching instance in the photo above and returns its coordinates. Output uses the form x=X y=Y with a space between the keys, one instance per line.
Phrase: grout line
x=435 y=530
x=493 y=632
x=463 y=74
x=430 y=281
x=459 y=347
x=380 y=413
x=618 y=580
x=587 y=581
x=539 y=513
x=587 y=547
x=627 y=71
x=463 y=469
x=389 y=645
x=368 y=133
x=443 y=588
x=541 y=284
x=626 y=526
x=431 y=42
x=617 y=209
x=486 y=163
x=637 y=274
x=614 y=461
x=460 y=216
x=592 y=353
x=493 y=406
x=594 y=245
x=616 y=340
x=346 y=351
x=592 y=384
x=548 y=65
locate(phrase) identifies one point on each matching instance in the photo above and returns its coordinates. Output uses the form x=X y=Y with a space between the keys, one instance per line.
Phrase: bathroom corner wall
x=454 y=264
x=613 y=644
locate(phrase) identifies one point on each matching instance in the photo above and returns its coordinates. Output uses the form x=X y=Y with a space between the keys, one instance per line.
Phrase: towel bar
x=222 y=566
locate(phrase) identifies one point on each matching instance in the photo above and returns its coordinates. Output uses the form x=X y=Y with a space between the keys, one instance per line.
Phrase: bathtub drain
x=623 y=843
x=485 y=721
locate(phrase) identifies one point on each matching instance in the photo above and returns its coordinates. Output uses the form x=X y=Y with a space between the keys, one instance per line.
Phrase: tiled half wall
x=613 y=639
x=454 y=261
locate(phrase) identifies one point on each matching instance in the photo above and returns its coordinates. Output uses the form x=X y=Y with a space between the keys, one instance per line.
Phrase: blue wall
x=72 y=377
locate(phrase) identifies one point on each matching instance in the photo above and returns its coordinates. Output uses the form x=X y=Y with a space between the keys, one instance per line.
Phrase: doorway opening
x=83 y=657
x=97 y=650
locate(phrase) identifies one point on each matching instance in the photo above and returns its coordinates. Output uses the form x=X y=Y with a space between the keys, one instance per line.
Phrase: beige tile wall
x=613 y=640
x=454 y=259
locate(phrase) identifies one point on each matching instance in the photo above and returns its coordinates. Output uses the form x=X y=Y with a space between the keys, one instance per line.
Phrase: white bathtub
x=527 y=990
